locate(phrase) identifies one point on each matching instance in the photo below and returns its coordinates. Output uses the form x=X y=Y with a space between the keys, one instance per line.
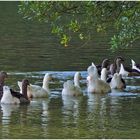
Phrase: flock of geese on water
x=101 y=79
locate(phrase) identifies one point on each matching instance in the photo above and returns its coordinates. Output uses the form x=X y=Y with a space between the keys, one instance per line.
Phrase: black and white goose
x=115 y=67
x=116 y=82
x=128 y=73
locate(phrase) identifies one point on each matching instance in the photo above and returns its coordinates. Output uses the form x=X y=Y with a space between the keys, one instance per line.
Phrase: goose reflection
x=70 y=104
x=98 y=111
x=40 y=107
x=7 y=111
x=6 y=118
x=73 y=111
x=70 y=109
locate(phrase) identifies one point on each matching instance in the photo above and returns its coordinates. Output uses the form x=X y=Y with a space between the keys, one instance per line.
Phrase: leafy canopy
x=69 y=19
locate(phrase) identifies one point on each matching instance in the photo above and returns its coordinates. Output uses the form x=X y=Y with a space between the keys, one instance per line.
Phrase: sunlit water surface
x=28 y=50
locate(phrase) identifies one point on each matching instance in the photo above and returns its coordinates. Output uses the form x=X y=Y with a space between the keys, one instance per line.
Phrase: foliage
x=83 y=18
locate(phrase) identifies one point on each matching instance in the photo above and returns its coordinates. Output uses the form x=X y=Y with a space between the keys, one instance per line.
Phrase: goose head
x=116 y=66
x=25 y=84
x=105 y=63
x=3 y=75
x=48 y=77
x=119 y=58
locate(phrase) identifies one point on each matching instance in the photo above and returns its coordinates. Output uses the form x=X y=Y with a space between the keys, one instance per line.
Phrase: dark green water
x=27 y=49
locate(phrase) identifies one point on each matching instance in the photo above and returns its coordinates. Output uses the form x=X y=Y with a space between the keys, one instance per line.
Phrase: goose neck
x=105 y=63
x=24 y=90
x=118 y=63
x=25 y=83
x=104 y=75
x=76 y=82
x=46 y=84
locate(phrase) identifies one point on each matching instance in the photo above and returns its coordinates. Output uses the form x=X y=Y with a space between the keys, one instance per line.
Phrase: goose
x=7 y=97
x=72 y=89
x=117 y=82
x=105 y=64
x=3 y=75
x=96 y=85
x=37 y=91
x=135 y=67
x=126 y=73
x=115 y=67
x=12 y=97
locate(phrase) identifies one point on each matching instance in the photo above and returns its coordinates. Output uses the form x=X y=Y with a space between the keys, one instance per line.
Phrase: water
x=28 y=50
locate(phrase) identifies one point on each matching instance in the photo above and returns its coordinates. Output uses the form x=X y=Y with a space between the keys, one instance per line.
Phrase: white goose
x=96 y=85
x=37 y=91
x=12 y=97
x=72 y=89
x=7 y=97
x=117 y=82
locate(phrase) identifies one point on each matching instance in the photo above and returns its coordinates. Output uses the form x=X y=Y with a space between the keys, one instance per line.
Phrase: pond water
x=28 y=50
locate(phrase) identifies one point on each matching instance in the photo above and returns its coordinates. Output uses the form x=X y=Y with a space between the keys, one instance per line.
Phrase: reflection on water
x=112 y=115
x=6 y=111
